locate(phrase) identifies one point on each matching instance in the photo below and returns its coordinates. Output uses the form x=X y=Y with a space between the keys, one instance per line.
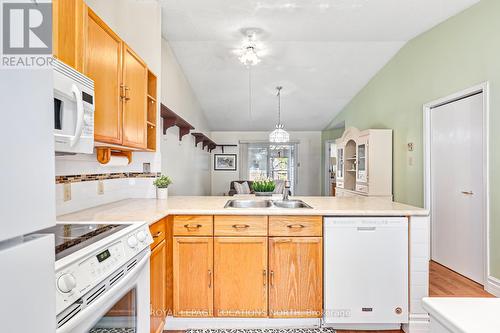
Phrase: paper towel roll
x=116 y=161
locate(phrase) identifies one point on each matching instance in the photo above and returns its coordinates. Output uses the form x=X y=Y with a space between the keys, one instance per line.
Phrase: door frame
x=326 y=174
x=427 y=130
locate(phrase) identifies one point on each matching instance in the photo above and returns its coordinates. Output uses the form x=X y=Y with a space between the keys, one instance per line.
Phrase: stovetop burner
x=70 y=238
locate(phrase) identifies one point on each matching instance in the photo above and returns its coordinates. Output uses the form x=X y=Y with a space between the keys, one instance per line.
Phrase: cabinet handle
x=241 y=226
x=264 y=274
x=296 y=226
x=367 y=228
x=272 y=278
x=127 y=89
x=158 y=234
x=192 y=227
x=468 y=192
x=209 y=278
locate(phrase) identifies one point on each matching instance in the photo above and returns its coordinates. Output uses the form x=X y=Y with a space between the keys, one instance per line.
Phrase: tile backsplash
x=87 y=194
x=104 y=176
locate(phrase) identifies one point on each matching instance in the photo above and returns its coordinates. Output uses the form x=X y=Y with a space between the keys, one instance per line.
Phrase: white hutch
x=364 y=163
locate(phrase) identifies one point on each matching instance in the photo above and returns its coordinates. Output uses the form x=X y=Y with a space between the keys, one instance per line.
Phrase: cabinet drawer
x=240 y=225
x=158 y=232
x=295 y=226
x=193 y=225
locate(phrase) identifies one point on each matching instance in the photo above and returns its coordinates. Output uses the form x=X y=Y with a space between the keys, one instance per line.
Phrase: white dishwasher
x=366 y=270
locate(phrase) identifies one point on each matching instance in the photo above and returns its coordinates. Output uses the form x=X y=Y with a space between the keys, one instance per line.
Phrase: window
x=264 y=160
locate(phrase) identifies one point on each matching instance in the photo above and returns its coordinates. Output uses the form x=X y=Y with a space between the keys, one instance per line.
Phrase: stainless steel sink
x=247 y=203
x=241 y=203
x=291 y=204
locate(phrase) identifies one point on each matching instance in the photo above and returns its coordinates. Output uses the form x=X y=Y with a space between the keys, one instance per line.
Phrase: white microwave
x=73 y=110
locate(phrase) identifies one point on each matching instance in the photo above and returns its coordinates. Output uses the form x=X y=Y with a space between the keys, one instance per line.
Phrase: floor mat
x=265 y=330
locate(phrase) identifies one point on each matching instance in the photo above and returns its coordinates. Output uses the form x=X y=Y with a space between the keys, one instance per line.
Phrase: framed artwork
x=225 y=162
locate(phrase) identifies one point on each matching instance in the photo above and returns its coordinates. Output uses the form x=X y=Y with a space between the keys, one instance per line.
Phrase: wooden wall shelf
x=170 y=118
x=205 y=140
x=224 y=146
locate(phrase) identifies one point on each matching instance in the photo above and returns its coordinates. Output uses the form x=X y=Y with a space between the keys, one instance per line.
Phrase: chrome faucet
x=286 y=191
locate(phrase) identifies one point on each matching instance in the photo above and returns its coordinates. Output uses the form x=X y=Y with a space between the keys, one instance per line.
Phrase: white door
x=457 y=186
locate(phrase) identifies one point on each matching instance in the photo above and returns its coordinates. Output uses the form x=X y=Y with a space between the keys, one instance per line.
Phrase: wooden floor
x=443 y=282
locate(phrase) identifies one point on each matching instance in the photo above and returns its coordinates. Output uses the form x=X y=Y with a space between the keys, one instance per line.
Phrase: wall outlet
x=67 y=191
x=100 y=187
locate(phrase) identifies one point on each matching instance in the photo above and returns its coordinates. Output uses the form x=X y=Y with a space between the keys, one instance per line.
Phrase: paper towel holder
x=104 y=154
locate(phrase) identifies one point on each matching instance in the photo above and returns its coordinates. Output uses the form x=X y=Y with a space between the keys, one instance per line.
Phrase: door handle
x=468 y=192
x=264 y=274
x=79 y=116
x=272 y=278
x=209 y=278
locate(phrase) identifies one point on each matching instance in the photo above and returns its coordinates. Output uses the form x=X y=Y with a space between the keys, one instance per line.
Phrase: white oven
x=73 y=110
x=102 y=277
x=123 y=307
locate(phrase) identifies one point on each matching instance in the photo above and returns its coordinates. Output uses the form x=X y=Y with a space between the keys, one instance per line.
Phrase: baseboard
x=493 y=286
x=418 y=323
x=174 y=323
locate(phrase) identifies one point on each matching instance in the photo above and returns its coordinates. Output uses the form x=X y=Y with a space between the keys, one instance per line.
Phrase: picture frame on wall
x=225 y=162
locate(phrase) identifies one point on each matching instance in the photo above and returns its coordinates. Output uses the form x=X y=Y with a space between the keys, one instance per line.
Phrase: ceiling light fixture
x=279 y=135
x=249 y=55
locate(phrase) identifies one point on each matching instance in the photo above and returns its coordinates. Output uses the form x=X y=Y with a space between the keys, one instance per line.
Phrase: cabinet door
x=135 y=76
x=340 y=163
x=362 y=156
x=193 y=276
x=157 y=277
x=103 y=64
x=296 y=277
x=68 y=27
x=240 y=276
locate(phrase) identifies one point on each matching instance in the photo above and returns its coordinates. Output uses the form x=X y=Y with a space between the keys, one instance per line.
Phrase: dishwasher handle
x=367 y=228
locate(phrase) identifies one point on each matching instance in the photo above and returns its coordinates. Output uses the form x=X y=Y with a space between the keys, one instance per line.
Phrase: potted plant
x=162 y=184
x=264 y=187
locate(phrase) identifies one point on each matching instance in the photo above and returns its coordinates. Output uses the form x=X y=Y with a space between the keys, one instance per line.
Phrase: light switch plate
x=67 y=191
x=100 y=187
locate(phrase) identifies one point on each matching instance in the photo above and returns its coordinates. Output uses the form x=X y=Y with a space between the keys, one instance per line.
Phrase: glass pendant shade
x=279 y=135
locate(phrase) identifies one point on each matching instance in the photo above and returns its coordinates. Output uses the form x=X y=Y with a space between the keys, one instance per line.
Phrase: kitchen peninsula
x=210 y=250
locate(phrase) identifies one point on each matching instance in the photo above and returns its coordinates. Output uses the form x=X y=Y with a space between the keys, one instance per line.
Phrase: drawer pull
x=158 y=234
x=241 y=226
x=192 y=227
x=296 y=226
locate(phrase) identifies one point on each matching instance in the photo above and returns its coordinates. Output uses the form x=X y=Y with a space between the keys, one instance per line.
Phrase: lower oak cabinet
x=240 y=276
x=295 y=277
x=247 y=266
x=158 y=277
x=193 y=276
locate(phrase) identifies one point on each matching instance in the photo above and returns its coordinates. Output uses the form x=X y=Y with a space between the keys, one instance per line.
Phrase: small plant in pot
x=162 y=184
x=264 y=187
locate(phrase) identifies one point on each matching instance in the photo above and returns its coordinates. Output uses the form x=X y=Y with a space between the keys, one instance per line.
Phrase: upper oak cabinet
x=125 y=90
x=103 y=64
x=135 y=77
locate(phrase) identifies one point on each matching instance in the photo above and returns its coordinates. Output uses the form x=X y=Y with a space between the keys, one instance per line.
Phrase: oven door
x=123 y=308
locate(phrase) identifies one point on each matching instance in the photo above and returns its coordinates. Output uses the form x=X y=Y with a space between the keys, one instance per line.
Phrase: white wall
x=309 y=171
x=187 y=165
x=138 y=24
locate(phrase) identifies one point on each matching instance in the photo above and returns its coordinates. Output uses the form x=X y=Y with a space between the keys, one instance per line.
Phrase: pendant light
x=279 y=135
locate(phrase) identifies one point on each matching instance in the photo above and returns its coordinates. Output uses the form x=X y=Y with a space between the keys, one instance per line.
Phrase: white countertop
x=465 y=315
x=152 y=210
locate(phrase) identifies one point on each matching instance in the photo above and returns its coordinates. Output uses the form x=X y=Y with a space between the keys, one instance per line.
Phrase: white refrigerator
x=27 y=202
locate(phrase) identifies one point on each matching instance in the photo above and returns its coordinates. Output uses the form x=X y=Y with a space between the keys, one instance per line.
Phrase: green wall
x=458 y=54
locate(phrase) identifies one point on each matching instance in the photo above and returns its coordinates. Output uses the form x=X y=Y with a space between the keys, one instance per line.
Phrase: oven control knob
x=66 y=283
x=141 y=236
x=132 y=241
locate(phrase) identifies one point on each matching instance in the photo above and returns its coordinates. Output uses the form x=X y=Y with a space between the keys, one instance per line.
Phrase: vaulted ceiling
x=321 y=51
